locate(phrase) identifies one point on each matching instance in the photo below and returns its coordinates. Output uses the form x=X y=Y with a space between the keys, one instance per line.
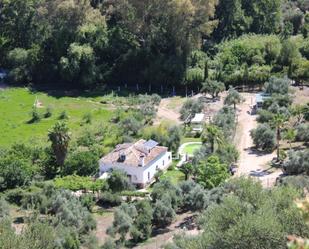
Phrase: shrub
x=277 y=85
x=63 y=115
x=264 y=137
x=264 y=116
x=110 y=199
x=14 y=172
x=300 y=182
x=4 y=208
x=87 y=118
x=297 y=162
x=302 y=132
x=15 y=196
x=35 y=116
x=48 y=112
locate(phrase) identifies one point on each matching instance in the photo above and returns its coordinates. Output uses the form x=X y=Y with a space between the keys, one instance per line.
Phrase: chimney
x=141 y=161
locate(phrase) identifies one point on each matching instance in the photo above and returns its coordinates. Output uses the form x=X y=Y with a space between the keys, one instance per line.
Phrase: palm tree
x=278 y=122
x=59 y=138
x=212 y=135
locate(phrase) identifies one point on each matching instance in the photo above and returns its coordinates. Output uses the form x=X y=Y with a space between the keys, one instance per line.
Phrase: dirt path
x=251 y=162
x=103 y=223
x=167 y=113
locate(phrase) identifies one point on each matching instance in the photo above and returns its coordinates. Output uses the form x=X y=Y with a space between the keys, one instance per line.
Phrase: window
x=148 y=175
x=169 y=157
x=157 y=167
x=163 y=163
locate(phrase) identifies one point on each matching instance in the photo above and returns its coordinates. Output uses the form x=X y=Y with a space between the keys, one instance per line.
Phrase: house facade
x=140 y=161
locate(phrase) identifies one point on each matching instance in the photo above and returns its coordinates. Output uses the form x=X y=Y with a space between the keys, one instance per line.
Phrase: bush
x=87 y=118
x=110 y=199
x=297 y=162
x=4 y=209
x=63 y=115
x=302 y=132
x=264 y=137
x=264 y=116
x=277 y=86
x=299 y=182
x=48 y=112
x=35 y=116
x=15 y=196
x=14 y=172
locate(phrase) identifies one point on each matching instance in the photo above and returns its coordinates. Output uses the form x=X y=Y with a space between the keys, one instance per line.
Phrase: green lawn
x=16 y=105
x=191 y=148
x=190 y=139
x=175 y=176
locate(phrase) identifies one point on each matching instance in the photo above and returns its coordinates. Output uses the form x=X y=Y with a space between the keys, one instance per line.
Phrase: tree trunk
x=212 y=146
x=278 y=143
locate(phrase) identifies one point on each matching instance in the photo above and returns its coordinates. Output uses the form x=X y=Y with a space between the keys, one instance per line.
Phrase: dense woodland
x=203 y=45
x=89 y=44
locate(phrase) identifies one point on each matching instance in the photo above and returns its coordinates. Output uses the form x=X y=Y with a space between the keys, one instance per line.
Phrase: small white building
x=198 y=122
x=140 y=161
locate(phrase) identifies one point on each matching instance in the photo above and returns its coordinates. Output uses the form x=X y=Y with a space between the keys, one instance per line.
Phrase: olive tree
x=264 y=137
x=213 y=88
x=233 y=98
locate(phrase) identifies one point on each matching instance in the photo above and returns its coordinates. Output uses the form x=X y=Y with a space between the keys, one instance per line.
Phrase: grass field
x=16 y=105
x=191 y=148
x=175 y=176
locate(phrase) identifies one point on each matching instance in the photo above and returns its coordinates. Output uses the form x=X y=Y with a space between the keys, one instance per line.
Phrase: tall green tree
x=211 y=172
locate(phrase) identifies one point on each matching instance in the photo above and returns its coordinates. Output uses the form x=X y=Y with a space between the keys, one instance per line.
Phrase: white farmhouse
x=140 y=161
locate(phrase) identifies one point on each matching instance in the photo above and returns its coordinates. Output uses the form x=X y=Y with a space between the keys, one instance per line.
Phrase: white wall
x=139 y=175
x=151 y=168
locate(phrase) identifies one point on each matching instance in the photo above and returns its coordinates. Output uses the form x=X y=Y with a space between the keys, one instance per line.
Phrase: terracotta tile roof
x=133 y=154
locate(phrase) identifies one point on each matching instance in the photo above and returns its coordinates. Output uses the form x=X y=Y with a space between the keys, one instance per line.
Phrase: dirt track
x=251 y=162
